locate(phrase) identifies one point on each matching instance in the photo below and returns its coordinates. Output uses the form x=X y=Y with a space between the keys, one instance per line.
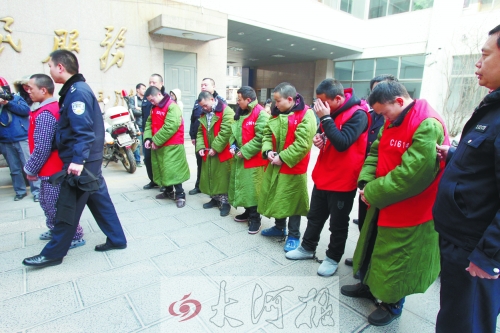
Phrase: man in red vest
x=44 y=160
x=164 y=134
x=344 y=123
x=398 y=251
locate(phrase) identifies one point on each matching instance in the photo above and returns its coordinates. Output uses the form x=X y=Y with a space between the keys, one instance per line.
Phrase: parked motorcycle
x=121 y=137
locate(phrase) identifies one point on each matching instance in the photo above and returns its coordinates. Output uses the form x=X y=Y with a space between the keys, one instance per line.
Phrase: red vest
x=54 y=163
x=248 y=133
x=393 y=144
x=293 y=122
x=158 y=116
x=339 y=171
x=224 y=155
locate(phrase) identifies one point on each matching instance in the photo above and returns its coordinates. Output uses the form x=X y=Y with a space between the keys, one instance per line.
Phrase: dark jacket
x=80 y=132
x=14 y=120
x=146 y=109
x=467 y=207
x=377 y=122
x=132 y=103
x=196 y=114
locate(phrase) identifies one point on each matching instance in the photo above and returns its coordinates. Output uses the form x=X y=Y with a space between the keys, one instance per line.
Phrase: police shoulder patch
x=78 y=108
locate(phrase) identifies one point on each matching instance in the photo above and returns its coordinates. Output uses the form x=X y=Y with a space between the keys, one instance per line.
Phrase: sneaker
x=36 y=198
x=77 y=243
x=328 y=267
x=254 y=227
x=291 y=243
x=273 y=232
x=211 y=204
x=242 y=217
x=19 y=197
x=225 y=209
x=138 y=164
x=299 y=254
x=180 y=202
x=348 y=262
x=358 y=290
x=386 y=313
x=150 y=186
x=47 y=235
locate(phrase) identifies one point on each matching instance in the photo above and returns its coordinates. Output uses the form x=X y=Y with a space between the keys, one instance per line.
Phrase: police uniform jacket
x=80 y=133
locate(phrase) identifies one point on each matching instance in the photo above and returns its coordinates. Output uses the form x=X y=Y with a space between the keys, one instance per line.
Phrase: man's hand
x=276 y=160
x=75 y=169
x=193 y=141
x=147 y=144
x=475 y=271
x=31 y=178
x=232 y=151
x=154 y=146
x=202 y=152
x=270 y=156
x=442 y=152
x=212 y=152
x=318 y=141
x=239 y=154
x=362 y=196
x=321 y=108
x=3 y=101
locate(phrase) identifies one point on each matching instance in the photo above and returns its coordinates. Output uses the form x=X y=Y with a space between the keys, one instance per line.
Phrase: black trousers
x=362 y=210
x=179 y=191
x=147 y=163
x=102 y=209
x=338 y=206
x=199 y=161
x=468 y=304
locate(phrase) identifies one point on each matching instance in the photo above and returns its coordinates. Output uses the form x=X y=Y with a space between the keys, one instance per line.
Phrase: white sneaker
x=299 y=254
x=328 y=267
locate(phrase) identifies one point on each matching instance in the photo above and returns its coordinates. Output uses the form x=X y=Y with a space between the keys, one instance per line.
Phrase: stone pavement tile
x=72 y=268
x=163 y=211
x=11 y=241
x=194 y=217
x=231 y=226
x=248 y=265
x=34 y=211
x=13 y=259
x=130 y=218
x=196 y=201
x=112 y=316
x=362 y=306
x=425 y=305
x=196 y=234
x=138 y=250
x=140 y=194
x=91 y=240
x=272 y=247
x=108 y=284
x=122 y=187
x=152 y=302
x=27 y=310
x=118 y=199
x=174 y=326
x=238 y=242
x=408 y=322
x=11 y=215
x=11 y=284
x=95 y=228
x=123 y=207
x=188 y=258
x=154 y=227
x=22 y=225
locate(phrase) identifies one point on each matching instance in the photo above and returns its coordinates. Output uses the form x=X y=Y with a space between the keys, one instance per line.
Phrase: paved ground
x=173 y=252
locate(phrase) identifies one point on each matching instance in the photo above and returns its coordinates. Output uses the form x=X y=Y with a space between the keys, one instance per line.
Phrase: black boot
x=211 y=204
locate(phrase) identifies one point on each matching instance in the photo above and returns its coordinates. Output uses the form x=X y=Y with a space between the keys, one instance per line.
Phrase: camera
x=6 y=94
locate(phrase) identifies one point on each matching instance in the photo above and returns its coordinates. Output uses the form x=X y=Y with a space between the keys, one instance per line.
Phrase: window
x=346 y=5
x=421 y=4
x=380 y=8
x=387 y=66
x=398 y=6
x=363 y=69
x=343 y=70
x=412 y=67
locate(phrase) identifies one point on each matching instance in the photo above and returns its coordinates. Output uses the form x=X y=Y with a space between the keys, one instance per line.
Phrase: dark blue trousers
x=102 y=209
x=468 y=304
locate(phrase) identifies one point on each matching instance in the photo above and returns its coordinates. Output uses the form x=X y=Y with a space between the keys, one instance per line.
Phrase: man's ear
x=400 y=101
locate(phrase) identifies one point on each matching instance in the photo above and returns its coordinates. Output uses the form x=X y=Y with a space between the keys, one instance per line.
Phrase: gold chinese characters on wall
x=61 y=42
x=8 y=38
x=108 y=42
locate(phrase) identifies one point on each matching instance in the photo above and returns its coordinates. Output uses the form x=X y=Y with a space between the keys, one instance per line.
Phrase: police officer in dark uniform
x=79 y=138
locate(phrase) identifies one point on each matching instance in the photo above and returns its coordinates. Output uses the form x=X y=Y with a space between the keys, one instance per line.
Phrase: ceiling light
x=331 y=52
x=269 y=39
x=278 y=56
x=241 y=33
x=187 y=34
x=292 y=44
x=232 y=48
x=252 y=59
x=313 y=48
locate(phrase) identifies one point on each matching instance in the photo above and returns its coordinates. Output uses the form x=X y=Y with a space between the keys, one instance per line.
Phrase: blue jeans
x=137 y=151
x=17 y=154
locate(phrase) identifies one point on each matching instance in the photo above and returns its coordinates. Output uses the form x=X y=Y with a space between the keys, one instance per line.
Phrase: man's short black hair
x=386 y=92
x=204 y=95
x=285 y=90
x=158 y=76
x=67 y=59
x=247 y=92
x=331 y=88
x=211 y=80
x=381 y=78
x=152 y=91
x=43 y=81
x=496 y=30
x=139 y=85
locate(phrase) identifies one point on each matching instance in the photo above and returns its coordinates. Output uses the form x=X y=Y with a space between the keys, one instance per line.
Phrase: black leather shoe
x=211 y=204
x=150 y=186
x=194 y=191
x=355 y=221
x=19 y=197
x=357 y=276
x=42 y=261
x=107 y=247
x=163 y=189
x=225 y=209
x=348 y=262
x=357 y=290
x=382 y=316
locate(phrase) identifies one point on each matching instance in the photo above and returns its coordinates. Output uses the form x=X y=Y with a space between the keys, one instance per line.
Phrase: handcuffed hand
x=318 y=141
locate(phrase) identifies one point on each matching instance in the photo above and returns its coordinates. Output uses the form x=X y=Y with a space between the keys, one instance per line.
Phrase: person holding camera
x=14 y=123
x=248 y=165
